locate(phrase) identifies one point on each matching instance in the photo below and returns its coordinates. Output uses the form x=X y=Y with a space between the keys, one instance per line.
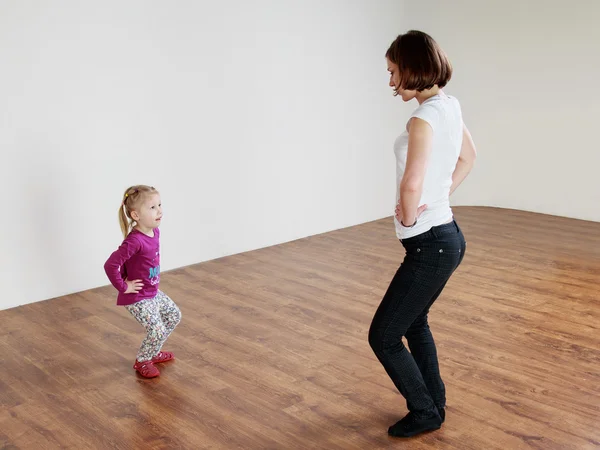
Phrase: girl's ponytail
x=131 y=199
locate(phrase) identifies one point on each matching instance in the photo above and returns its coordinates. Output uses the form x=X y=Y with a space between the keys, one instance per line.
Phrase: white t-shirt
x=444 y=114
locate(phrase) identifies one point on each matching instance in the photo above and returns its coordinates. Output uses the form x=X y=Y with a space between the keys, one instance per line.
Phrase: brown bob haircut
x=421 y=61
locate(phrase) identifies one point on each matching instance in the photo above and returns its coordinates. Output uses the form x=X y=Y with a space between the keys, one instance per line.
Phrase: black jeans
x=431 y=258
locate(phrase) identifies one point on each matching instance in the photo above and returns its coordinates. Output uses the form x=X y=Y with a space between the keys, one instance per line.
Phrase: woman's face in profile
x=395 y=82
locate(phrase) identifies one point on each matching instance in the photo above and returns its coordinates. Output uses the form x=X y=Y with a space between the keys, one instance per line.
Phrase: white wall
x=259 y=121
x=527 y=76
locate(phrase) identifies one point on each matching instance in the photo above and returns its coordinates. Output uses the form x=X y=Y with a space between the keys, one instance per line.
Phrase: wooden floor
x=273 y=354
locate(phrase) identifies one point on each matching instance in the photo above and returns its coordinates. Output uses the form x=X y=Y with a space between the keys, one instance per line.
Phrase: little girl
x=134 y=270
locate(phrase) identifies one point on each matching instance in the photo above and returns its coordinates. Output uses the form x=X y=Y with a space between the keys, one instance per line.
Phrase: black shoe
x=412 y=425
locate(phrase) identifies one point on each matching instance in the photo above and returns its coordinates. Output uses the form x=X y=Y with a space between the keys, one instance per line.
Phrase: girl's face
x=395 y=83
x=148 y=214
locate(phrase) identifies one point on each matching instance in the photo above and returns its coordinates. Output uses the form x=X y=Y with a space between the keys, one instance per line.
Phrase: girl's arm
x=420 y=137
x=466 y=160
x=126 y=250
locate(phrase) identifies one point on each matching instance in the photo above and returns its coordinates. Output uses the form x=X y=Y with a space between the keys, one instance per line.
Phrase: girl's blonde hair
x=131 y=200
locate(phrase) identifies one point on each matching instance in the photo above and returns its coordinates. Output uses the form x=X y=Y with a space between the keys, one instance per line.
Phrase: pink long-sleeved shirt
x=137 y=258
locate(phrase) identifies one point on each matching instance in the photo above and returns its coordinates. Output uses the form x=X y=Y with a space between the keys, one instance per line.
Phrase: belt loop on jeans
x=434 y=232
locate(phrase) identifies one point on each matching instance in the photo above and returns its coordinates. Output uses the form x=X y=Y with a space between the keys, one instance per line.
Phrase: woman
x=433 y=156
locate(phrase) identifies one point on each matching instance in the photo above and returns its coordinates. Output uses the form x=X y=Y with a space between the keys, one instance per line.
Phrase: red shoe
x=163 y=357
x=146 y=369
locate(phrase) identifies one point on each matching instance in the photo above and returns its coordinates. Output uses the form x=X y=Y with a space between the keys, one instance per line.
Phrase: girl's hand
x=420 y=210
x=134 y=286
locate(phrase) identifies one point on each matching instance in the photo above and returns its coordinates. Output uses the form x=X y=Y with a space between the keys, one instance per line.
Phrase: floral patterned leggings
x=159 y=316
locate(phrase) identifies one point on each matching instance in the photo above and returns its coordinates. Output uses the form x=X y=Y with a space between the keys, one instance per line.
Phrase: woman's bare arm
x=466 y=160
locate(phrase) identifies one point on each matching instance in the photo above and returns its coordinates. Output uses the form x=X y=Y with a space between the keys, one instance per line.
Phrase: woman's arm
x=466 y=160
x=420 y=137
